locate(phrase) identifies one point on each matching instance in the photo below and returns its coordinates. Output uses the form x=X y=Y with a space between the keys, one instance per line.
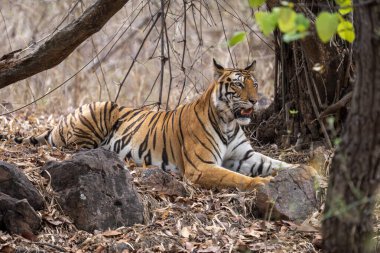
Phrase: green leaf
x=326 y=25
x=346 y=31
x=292 y=36
x=256 y=3
x=345 y=6
x=267 y=21
x=302 y=23
x=276 y=11
x=287 y=19
x=288 y=4
x=236 y=38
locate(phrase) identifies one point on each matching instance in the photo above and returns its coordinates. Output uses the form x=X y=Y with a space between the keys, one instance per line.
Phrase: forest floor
x=205 y=221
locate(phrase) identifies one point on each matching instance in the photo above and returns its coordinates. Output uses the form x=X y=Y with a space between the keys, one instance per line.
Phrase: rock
x=18 y=217
x=96 y=191
x=119 y=247
x=319 y=159
x=291 y=195
x=14 y=183
x=154 y=178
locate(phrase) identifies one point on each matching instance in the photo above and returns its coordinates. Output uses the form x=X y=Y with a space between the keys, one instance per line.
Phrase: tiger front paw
x=258 y=182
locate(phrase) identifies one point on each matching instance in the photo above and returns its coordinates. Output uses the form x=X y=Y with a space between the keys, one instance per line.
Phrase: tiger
x=202 y=141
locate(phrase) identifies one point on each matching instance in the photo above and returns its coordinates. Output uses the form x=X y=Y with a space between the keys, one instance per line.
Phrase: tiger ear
x=251 y=67
x=218 y=69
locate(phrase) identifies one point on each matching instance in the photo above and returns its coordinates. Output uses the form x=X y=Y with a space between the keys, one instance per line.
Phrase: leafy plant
x=236 y=38
x=326 y=25
x=256 y=3
x=296 y=26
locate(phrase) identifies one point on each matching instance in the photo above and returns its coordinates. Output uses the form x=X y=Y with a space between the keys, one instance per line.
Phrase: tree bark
x=355 y=172
x=21 y=64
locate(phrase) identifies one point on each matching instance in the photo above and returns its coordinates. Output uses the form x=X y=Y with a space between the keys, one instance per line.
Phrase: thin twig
x=224 y=31
x=151 y=89
x=163 y=59
x=282 y=57
x=65 y=17
x=170 y=68
x=101 y=70
x=314 y=105
x=6 y=30
x=183 y=52
x=195 y=22
x=346 y=78
x=276 y=63
x=209 y=11
x=111 y=51
x=51 y=246
x=135 y=58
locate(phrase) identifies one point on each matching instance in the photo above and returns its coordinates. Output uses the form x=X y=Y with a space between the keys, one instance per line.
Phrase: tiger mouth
x=244 y=113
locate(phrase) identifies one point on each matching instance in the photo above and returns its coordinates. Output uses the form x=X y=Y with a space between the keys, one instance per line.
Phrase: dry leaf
x=7 y=249
x=189 y=246
x=251 y=231
x=185 y=232
x=304 y=227
x=210 y=249
x=111 y=233
x=53 y=221
x=100 y=249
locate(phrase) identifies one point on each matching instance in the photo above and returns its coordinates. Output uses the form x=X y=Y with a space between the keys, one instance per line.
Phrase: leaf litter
x=204 y=221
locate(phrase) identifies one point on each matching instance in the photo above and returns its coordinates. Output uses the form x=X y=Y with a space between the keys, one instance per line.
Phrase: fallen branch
x=337 y=106
x=19 y=65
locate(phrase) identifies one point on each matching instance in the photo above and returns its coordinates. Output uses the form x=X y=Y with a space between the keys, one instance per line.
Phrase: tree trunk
x=355 y=172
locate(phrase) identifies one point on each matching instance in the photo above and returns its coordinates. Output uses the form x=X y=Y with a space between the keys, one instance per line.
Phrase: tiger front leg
x=210 y=175
x=242 y=159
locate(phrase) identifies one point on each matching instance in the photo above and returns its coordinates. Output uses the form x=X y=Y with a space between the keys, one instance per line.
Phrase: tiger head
x=236 y=92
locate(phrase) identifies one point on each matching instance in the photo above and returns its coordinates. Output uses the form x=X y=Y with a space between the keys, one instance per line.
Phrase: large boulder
x=18 y=217
x=96 y=190
x=14 y=183
x=291 y=195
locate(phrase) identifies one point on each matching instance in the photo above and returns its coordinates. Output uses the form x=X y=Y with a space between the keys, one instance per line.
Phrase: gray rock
x=14 y=183
x=96 y=191
x=18 y=217
x=291 y=195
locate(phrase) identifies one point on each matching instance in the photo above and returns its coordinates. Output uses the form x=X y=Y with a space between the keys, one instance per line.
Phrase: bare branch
x=17 y=66
x=337 y=106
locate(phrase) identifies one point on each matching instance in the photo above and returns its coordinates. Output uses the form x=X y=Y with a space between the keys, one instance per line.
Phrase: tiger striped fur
x=202 y=141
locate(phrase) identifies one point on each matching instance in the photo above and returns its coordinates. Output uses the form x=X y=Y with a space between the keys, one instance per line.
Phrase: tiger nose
x=252 y=100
